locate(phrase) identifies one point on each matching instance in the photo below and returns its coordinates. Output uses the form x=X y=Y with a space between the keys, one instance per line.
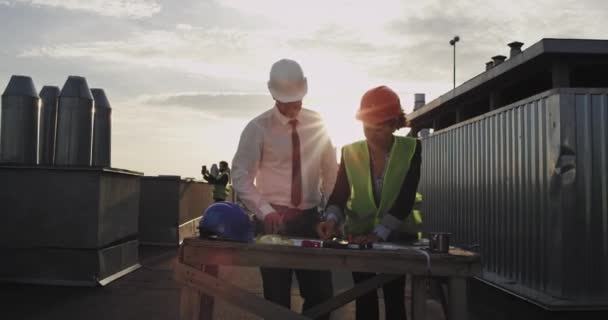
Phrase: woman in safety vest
x=219 y=181
x=375 y=191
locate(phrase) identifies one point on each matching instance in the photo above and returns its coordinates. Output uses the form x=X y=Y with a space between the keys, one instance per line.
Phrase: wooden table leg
x=419 y=297
x=457 y=304
x=234 y=295
x=195 y=304
x=189 y=304
x=207 y=301
x=350 y=295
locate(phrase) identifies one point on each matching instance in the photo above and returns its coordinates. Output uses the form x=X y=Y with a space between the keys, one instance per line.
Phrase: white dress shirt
x=261 y=168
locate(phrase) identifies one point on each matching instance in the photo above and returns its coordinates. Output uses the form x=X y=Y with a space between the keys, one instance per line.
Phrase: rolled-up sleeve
x=245 y=166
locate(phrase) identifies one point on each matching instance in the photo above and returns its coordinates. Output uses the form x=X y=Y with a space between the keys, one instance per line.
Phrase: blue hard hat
x=227 y=221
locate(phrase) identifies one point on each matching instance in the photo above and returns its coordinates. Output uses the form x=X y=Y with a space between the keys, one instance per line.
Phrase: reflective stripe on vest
x=362 y=213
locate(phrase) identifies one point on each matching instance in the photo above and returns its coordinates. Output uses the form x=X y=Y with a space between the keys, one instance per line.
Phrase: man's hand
x=326 y=229
x=273 y=223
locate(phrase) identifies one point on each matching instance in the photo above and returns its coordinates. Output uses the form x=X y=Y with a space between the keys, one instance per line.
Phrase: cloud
x=333 y=37
x=407 y=47
x=353 y=14
x=485 y=28
x=223 y=105
x=134 y=9
x=207 y=52
x=184 y=27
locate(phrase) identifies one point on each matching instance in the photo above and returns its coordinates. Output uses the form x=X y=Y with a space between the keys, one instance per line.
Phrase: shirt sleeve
x=329 y=169
x=407 y=195
x=245 y=166
x=339 y=196
x=210 y=179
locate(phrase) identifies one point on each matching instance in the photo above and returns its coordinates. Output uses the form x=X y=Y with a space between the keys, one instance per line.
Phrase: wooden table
x=200 y=287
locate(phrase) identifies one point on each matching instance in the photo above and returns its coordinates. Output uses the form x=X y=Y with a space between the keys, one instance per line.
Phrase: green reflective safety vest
x=362 y=213
x=220 y=191
x=413 y=223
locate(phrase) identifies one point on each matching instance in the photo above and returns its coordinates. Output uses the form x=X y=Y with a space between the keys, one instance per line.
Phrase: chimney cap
x=76 y=87
x=498 y=59
x=516 y=44
x=49 y=93
x=419 y=100
x=20 y=86
x=489 y=65
x=100 y=99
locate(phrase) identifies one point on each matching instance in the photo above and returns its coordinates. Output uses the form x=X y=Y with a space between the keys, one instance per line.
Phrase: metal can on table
x=440 y=242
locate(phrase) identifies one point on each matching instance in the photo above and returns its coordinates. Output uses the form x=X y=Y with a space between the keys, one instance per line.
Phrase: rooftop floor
x=151 y=293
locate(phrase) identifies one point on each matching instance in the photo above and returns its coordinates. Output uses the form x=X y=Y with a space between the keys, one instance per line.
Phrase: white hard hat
x=287 y=82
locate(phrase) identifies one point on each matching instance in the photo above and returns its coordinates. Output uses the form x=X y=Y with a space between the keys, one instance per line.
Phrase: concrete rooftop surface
x=150 y=293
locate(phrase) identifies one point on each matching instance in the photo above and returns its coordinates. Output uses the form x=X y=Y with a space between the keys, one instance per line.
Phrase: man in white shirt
x=284 y=165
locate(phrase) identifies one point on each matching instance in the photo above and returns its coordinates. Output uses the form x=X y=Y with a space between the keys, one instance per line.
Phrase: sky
x=184 y=77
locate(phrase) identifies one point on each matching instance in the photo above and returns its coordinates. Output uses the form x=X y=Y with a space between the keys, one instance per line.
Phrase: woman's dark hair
x=401 y=120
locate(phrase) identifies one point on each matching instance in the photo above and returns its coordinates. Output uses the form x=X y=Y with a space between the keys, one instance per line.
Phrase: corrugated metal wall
x=528 y=183
x=592 y=190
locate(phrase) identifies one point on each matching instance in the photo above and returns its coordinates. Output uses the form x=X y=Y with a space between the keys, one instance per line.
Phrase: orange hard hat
x=378 y=105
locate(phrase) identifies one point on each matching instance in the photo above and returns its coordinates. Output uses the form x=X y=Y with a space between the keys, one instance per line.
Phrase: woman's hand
x=326 y=229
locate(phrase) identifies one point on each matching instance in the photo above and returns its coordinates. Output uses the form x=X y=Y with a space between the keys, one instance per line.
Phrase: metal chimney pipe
x=498 y=59
x=19 y=136
x=489 y=65
x=102 y=129
x=74 y=118
x=49 y=98
x=424 y=133
x=419 y=100
x=515 y=48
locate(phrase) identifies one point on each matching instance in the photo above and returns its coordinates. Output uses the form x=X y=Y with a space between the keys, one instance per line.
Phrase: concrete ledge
x=71 y=267
x=174 y=236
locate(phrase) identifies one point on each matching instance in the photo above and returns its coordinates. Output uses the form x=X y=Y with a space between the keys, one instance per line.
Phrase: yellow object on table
x=274 y=239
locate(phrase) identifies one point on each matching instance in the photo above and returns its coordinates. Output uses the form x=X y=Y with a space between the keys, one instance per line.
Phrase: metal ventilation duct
x=19 y=136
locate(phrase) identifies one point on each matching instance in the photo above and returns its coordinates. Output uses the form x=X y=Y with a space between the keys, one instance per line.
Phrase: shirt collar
x=283 y=119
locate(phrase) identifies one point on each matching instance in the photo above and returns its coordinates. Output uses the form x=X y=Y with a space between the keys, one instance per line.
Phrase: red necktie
x=296 y=168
